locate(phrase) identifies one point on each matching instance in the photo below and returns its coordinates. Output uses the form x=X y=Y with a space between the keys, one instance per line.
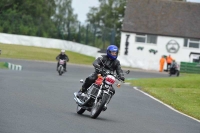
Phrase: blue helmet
x=112 y=48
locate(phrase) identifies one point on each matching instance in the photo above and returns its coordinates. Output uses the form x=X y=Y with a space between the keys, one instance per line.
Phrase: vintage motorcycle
x=61 y=67
x=98 y=95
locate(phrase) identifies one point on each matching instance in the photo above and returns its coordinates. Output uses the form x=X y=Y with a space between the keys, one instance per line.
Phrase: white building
x=153 y=28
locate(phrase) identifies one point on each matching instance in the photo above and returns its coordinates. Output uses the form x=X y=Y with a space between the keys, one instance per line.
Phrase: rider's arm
x=67 y=58
x=119 y=71
x=97 y=62
x=58 y=57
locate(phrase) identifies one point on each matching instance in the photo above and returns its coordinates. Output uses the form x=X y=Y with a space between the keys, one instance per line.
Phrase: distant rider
x=173 y=67
x=62 y=56
x=174 y=64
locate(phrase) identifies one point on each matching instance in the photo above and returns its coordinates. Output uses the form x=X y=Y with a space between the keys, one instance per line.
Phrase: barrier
x=48 y=43
x=13 y=66
x=187 y=67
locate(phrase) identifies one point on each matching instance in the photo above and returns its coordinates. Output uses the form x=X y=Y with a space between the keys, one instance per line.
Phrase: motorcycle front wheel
x=98 y=107
x=60 y=70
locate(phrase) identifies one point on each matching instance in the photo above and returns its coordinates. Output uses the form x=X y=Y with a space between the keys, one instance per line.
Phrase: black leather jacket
x=62 y=57
x=174 y=65
x=112 y=65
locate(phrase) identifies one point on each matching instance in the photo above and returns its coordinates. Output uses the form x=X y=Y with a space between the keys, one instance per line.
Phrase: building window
x=185 y=42
x=192 y=43
x=144 y=38
x=151 y=39
x=140 y=38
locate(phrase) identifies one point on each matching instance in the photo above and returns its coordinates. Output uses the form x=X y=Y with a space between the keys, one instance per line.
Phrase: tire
x=79 y=110
x=96 y=110
x=60 y=71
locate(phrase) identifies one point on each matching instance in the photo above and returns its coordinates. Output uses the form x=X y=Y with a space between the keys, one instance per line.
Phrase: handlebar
x=107 y=72
x=61 y=59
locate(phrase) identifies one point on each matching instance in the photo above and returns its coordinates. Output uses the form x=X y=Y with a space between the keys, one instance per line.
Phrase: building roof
x=161 y=17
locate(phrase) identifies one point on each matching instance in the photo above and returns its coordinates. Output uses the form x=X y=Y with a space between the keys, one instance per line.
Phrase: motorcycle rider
x=62 y=56
x=109 y=62
x=174 y=65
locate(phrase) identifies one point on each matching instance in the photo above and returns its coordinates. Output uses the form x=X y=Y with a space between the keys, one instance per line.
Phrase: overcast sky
x=81 y=7
x=198 y=1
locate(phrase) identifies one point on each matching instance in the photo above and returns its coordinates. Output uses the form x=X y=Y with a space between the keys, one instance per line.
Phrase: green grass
x=182 y=93
x=2 y=65
x=44 y=54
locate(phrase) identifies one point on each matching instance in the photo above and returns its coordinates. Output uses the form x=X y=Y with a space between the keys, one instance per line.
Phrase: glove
x=97 y=66
x=122 y=78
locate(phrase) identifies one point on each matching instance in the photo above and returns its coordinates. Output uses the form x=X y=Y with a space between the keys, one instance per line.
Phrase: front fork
x=110 y=96
x=98 y=95
x=104 y=91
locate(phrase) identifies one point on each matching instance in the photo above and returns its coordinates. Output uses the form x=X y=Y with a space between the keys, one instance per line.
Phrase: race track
x=38 y=100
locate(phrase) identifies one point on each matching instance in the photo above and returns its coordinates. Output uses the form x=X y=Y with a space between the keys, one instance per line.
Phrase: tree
x=27 y=17
x=36 y=17
x=109 y=15
x=64 y=18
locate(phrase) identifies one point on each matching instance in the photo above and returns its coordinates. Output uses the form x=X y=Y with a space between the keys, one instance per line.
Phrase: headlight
x=107 y=86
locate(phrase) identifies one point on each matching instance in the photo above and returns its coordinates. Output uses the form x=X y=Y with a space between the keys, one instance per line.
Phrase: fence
x=187 y=67
x=89 y=34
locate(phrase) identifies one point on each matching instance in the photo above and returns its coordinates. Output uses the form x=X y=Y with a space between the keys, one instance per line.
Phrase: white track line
x=165 y=104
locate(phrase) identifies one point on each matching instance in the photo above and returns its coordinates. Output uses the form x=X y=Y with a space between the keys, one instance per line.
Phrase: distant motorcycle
x=98 y=95
x=174 y=71
x=61 y=67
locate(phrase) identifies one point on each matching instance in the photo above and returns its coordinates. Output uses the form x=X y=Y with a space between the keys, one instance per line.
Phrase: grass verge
x=182 y=93
x=2 y=65
x=44 y=54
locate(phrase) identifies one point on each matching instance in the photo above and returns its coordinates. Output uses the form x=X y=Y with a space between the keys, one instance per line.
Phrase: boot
x=82 y=90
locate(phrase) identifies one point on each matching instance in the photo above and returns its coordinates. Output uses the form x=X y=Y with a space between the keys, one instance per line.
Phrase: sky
x=81 y=7
x=198 y=1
